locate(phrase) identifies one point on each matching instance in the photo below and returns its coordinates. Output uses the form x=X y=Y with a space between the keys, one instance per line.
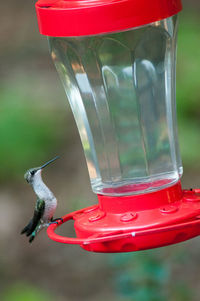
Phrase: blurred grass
x=188 y=88
x=25 y=292
x=29 y=133
x=147 y=276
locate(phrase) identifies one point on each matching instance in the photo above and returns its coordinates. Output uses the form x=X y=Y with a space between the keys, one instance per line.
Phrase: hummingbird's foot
x=57 y=219
x=51 y=223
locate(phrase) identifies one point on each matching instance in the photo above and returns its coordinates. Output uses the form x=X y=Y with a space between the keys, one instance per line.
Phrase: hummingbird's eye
x=32 y=173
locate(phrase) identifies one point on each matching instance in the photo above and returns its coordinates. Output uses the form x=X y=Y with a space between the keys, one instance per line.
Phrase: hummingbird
x=45 y=205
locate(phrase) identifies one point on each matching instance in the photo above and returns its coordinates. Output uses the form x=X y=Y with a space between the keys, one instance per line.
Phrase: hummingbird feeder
x=116 y=59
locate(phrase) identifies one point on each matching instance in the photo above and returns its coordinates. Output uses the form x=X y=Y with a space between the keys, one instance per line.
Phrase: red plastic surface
x=104 y=228
x=89 y=17
x=141 y=201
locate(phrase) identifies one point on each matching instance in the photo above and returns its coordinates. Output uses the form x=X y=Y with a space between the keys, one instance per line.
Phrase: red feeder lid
x=61 y=18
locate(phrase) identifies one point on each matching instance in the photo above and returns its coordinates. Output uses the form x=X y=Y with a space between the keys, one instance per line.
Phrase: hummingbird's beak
x=47 y=163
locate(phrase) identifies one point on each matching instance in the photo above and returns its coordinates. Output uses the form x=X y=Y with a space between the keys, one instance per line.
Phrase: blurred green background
x=36 y=124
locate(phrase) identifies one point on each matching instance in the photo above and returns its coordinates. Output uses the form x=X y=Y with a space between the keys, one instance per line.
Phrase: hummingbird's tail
x=29 y=231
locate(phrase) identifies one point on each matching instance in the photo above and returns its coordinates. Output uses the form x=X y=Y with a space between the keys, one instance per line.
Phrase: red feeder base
x=133 y=223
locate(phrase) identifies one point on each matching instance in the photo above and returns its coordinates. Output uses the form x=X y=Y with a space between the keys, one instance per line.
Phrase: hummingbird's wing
x=38 y=213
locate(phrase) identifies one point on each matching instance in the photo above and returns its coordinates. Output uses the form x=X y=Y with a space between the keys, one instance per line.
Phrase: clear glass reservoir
x=121 y=88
